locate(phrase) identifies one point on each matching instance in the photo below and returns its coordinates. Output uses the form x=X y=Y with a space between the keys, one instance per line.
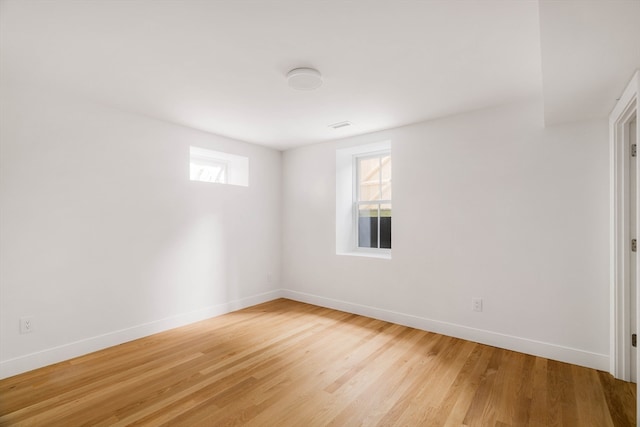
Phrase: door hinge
x=634 y=245
x=634 y=150
x=634 y=340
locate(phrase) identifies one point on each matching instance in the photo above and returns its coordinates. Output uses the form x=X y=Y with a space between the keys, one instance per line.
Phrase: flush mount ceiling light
x=304 y=78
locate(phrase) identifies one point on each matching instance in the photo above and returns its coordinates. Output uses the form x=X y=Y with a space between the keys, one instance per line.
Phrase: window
x=208 y=170
x=373 y=201
x=363 y=200
x=218 y=167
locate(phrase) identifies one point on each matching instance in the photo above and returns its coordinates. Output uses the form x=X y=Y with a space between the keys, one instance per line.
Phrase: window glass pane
x=369 y=179
x=386 y=177
x=208 y=172
x=368 y=226
x=385 y=225
x=217 y=166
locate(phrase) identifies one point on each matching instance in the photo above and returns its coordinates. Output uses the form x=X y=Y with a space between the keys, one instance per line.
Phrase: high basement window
x=218 y=167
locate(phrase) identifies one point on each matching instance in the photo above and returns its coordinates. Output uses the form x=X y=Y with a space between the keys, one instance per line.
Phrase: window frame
x=357 y=158
x=345 y=180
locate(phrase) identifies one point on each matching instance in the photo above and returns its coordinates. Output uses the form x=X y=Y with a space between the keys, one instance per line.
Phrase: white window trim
x=346 y=238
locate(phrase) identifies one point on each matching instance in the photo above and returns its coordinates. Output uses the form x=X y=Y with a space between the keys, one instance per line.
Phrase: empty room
x=313 y=213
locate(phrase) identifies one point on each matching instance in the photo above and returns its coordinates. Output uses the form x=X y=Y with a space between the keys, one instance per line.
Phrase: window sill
x=368 y=254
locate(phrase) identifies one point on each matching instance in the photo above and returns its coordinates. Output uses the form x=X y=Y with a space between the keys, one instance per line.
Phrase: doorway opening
x=625 y=233
x=634 y=221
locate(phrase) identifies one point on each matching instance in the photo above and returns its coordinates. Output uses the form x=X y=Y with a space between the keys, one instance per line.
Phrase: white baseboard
x=64 y=352
x=537 y=348
x=509 y=342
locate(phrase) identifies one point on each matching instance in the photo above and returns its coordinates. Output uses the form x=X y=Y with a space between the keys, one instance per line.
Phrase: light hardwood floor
x=285 y=363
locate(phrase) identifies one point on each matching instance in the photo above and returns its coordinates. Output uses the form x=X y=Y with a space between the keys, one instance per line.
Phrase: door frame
x=620 y=249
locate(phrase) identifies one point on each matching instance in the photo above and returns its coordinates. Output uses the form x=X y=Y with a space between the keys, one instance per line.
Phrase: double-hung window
x=363 y=200
x=372 y=204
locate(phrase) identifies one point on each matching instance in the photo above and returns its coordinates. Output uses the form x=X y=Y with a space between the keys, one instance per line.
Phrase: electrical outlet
x=270 y=278
x=476 y=304
x=26 y=325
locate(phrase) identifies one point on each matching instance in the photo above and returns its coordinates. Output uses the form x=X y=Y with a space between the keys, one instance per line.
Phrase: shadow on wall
x=191 y=270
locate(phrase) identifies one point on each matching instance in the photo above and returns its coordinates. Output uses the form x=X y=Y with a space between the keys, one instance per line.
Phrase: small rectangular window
x=218 y=167
x=208 y=170
x=372 y=202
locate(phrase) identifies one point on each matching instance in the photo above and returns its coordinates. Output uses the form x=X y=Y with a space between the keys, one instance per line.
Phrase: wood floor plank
x=481 y=412
x=285 y=363
x=271 y=374
x=539 y=401
x=218 y=377
x=350 y=379
x=591 y=404
x=447 y=364
x=523 y=404
x=372 y=405
x=468 y=382
x=621 y=399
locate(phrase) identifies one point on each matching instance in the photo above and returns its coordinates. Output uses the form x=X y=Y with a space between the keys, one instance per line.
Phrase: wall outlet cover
x=26 y=325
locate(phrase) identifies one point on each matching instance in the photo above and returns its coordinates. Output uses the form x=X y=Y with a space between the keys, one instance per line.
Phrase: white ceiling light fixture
x=304 y=78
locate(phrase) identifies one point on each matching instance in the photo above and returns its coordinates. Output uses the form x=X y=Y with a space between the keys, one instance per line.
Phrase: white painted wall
x=488 y=204
x=105 y=239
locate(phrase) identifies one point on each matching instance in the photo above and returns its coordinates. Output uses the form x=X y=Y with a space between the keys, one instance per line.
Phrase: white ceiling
x=590 y=50
x=220 y=66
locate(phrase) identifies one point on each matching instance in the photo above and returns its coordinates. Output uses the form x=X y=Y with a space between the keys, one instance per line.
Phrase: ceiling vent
x=340 y=125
